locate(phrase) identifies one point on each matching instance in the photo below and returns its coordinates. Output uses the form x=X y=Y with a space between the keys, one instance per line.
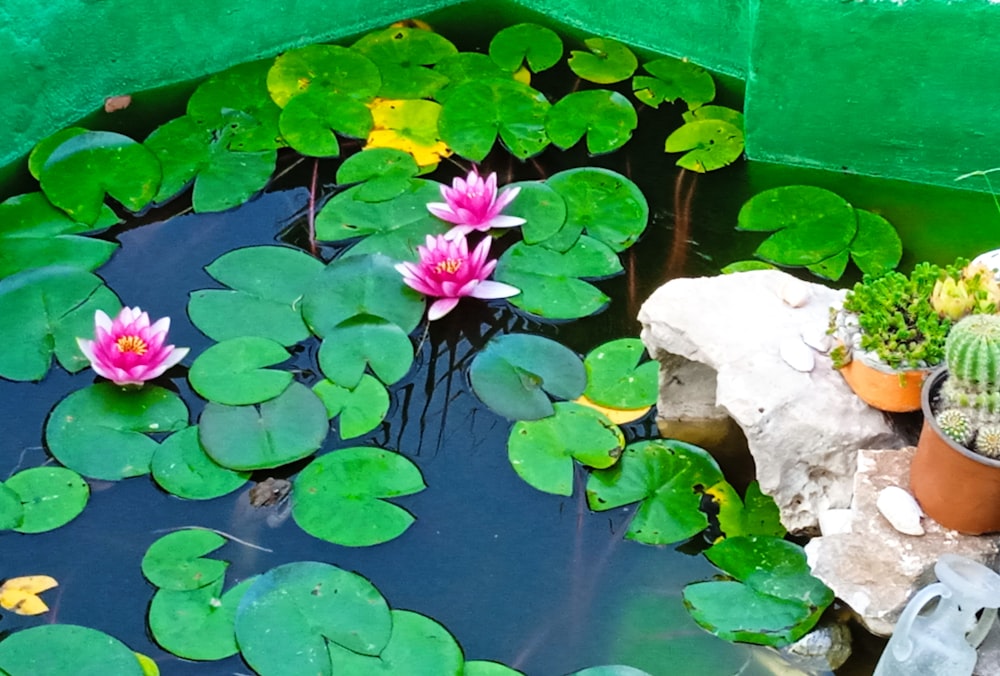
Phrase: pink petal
x=489 y=289
x=458 y=231
x=505 y=221
x=441 y=307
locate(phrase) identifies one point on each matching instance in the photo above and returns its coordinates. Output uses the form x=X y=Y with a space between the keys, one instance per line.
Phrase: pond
x=519 y=576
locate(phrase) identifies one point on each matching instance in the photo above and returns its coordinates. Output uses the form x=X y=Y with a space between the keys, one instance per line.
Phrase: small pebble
x=817 y=338
x=901 y=510
x=794 y=294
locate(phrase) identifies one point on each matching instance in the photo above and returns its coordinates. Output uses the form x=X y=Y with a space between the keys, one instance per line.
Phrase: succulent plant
x=972 y=356
x=956 y=425
x=974 y=290
x=988 y=440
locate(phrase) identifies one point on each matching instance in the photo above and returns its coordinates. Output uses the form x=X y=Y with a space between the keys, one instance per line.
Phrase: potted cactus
x=955 y=474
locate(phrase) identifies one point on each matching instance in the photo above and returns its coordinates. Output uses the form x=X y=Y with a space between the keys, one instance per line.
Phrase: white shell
x=901 y=510
x=817 y=338
x=794 y=293
x=797 y=354
x=990 y=259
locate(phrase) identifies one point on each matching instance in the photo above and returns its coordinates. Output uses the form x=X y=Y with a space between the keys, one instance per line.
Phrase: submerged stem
x=228 y=536
x=312 y=208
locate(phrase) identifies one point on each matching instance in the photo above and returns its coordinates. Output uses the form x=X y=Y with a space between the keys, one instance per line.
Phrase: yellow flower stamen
x=132 y=344
x=449 y=265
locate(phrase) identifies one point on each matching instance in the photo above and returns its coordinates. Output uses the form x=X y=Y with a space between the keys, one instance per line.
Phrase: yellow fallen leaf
x=523 y=75
x=618 y=416
x=149 y=667
x=410 y=126
x=20 y=594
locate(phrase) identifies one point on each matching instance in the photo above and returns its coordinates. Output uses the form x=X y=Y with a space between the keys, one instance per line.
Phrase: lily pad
x=758 y=515
x=361 y=409
x=279 y=431
x=365 y=341
x=11 y=509
x=268 y=283
x=244 y=88
x=542 y=451
x=538 y=46
x=475 y=113
x=616 y=379
x=328 y=68
x=309 y=603
x=486 y=668
x=832 y=267
x=34 y=234
x=610 y=670
x=181 y=467
x=340 y=497
x=674 y=79
x=49 y=497
x=311 y=121
x=81 y=170
x=542 y=208
x=608 y=206
x=66 y=649
x=176 y=560
x=468 y=67
x=607 y=61
x=607 y=118
x=745 y=266
x=418 y=645
x=386 y=173
x=733 y=117
x=197 y=624
x=232 y=373
x=101 y=431
x=665 y=475
x=876 y=249
x=513 y=373
x=43 y=149
x=708 y=144
x=401 y=55
x=410 y=125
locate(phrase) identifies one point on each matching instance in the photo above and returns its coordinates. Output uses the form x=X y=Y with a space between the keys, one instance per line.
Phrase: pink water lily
x=447 y=271
x=473 y=204
x=128 y=350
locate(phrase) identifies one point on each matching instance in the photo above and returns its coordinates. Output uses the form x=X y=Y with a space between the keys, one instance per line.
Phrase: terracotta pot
x=885 y=390
x=958 y=488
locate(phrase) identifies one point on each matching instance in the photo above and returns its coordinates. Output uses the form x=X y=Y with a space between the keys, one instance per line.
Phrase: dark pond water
x=518 y=576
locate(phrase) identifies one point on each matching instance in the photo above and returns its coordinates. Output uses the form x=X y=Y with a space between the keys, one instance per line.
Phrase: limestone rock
x=803 y=429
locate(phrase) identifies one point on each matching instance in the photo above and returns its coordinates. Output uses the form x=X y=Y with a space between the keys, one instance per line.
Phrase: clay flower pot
x=958 y=488
x=886 y=390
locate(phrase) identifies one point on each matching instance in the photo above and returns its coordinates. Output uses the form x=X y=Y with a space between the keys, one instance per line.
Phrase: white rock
x=816 y=337
x=794 y=293
x=989 y=259
x=797 y=354
x=834 y=521
x=901 y=510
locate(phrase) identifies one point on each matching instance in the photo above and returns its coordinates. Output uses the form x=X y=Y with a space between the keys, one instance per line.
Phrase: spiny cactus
x=988 y=440
x=972 y=354
x=956 y=425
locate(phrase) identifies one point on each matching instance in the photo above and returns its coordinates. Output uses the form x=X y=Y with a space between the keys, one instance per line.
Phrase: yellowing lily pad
x=618 y=416
x=410 y=126
x=20 y=594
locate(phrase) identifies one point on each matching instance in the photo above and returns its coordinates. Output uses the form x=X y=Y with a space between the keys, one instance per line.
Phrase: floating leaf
x=665 y=475
x=176 y=560
x=279 y=431
x=759 y=515
x=616 y=379
x=418 y=645
x=607 y=118
x=733 y=117
x=513 y=373
x=618 y=416
x=11 y=509
x=340 y=497
x=197 y=624
x=268 y=283
x=20 y=594
x=386 y=173
x=538 y=46
x=745 y=266
x=310 y=603
x=468 y=67
x=607 y=61
x=50 y=497
x=674 y=79
x=708 y=144
x=311 y=121
x=484 y=668
x=232 y=373
x=410 y=126
x=401 y=54
x=240 y=88
x=101 y=431
x=329 y=68
x=81 y=170
x=608 y=206
x=476 y=112
x=42 y=312
x=181 y=467
x=542 y=208
x=832 y=267
x=876 y=249
x=361 y=409
x=610 y=670
x=365 y=341
x=43 y=149
x=66 y=649
x=542 y=451
x=34 y=234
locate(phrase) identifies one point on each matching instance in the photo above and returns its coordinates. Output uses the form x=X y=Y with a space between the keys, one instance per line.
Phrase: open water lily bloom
x=447 y=271
x=474 y=204
x=129 y=350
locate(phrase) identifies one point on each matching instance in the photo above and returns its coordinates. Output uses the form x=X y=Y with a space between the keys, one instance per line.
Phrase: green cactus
x=972 y=354
x=956 y=425
x=988 y=441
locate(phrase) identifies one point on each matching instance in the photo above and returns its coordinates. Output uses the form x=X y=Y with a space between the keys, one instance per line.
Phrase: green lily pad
x=49 y=497
x=607 y=118
x=197 y=624
x=224 y=157
x=538 y=46
x=708 y=144
x=745 y=266
x=34 y=234
x=607 y=61
x=81 y=170
x=176 y=560
x=542 y=451
x=811 y=224
x=608 y=206
x=876 y=249
x=310 y=122
x=513 y=373
x=101 y=431
x=418 y=645
x=361 y=285
x=268 y=283
x=674 y=79
x=401 y=55
x=486 y=668
x=365 y=341
x=542 y=208
x=244 y=88
x=43 y=149
x=735 y=612
x=42 y=312
x=181 y=467
x=832 y=267
x=66 y=649
x=287 y=617
x=617 y=380
x=232 y=373
x=279 y=431
x=468 y=67
x=733 y=117
x=664 y=475
x=340 y=497
x=610 y=670
x=758 y=515
x=386 y=173
x=323 y=68
x=11 y=509
x=475 y=113
x=361 y=409
x=550 y=281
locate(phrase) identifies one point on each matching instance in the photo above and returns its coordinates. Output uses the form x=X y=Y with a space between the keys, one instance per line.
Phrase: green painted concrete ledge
x=897 y=88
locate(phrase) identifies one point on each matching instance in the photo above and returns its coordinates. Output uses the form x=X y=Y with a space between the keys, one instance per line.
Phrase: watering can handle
x=902 y=646
x=978 y=632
